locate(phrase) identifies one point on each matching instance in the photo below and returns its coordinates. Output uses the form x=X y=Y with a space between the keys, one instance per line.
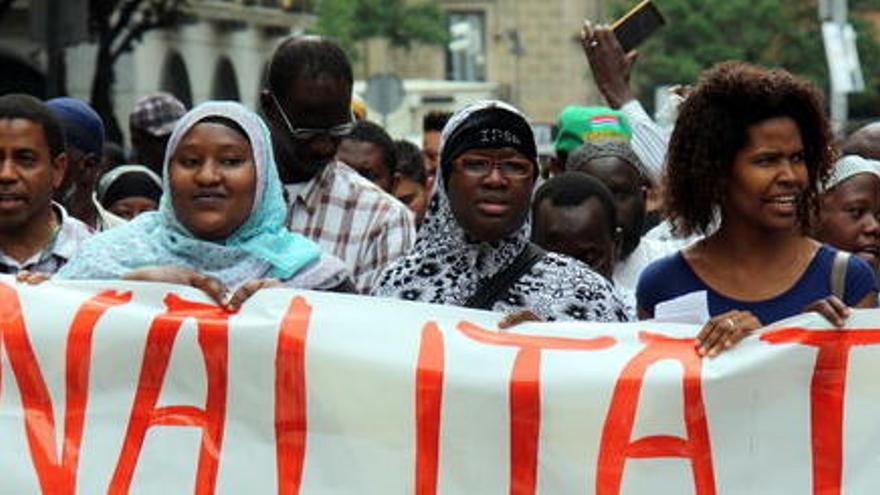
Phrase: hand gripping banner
x=112 y=387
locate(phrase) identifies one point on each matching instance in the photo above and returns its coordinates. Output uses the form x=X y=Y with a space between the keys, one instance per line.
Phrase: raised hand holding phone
x=609 y=63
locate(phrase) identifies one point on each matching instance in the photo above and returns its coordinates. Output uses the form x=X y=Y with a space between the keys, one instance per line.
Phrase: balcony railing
x=305 y=6
x=266 y=13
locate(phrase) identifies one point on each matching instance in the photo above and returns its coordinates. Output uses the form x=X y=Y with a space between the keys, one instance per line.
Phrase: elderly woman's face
x=489 y=192
x=213 y=180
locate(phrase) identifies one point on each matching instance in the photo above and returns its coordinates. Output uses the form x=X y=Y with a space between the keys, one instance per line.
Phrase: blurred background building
x=524 y=51
x=445 y=53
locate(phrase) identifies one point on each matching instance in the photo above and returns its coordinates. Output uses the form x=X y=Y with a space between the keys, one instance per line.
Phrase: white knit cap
x=849 y=166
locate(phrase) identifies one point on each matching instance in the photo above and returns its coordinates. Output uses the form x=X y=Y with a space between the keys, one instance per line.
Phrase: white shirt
x=628 y=271
x=649 y=141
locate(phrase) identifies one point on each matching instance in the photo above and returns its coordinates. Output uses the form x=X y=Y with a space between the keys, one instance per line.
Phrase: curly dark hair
x=712 y=127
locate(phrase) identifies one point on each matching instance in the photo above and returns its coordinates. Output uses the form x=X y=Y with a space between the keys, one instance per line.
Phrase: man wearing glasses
x=308 y=107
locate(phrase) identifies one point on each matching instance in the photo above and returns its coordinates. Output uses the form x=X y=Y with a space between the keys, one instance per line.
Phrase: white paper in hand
x=692 y=307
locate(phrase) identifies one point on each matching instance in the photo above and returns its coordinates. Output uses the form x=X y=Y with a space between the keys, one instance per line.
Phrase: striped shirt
x=649 y=141
x=61 y=247
x=353 y=219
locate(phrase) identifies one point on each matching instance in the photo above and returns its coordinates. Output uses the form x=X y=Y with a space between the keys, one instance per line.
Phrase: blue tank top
x=672 y=276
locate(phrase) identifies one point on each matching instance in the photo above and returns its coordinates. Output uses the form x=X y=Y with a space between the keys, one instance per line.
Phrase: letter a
x=213 y=339
x=617 y=445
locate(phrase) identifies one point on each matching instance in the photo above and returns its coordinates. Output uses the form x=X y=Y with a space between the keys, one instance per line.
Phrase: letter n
x=56 y=477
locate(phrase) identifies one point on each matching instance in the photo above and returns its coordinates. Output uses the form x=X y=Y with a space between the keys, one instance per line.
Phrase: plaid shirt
x=60 y=248
x=353 y=219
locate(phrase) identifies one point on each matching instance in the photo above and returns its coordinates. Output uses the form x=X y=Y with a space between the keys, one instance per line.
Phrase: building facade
x=530 y=49
x=523 y=51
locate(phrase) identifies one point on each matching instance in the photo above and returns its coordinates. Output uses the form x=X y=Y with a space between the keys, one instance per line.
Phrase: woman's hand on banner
x=31 y=278
x=214 y=288
x=832 y=308
x=514 y=319
x=725 y=331
x=247 y=290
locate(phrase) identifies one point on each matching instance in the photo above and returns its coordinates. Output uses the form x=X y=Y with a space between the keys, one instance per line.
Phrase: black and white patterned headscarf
x=446 y=267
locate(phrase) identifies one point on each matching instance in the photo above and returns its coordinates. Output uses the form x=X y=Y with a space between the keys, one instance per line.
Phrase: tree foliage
x=772 y=33
x=400 y=22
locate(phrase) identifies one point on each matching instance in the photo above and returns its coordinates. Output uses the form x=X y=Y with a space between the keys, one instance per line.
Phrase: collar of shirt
x=63 y=243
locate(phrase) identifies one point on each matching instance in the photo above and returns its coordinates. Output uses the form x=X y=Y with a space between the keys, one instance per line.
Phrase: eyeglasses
x=509 y=168
x=306 y=133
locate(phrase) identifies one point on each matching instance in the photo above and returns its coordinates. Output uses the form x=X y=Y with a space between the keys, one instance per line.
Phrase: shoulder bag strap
x=492 y=289
x=838 y=274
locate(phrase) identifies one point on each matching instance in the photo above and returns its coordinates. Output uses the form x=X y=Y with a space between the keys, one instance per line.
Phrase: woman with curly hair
x=748 y=154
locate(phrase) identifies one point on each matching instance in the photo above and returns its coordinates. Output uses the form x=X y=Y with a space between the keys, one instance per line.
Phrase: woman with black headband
x=473 y=249
x=129 y=190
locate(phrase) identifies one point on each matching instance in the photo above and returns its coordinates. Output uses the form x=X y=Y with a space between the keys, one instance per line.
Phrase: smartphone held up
x=638 y=25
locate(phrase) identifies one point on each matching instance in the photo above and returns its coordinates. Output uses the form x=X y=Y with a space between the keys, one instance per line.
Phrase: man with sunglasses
x=307 y=105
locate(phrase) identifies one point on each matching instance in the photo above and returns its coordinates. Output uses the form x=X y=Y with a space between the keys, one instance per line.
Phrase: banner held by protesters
x=118 y=387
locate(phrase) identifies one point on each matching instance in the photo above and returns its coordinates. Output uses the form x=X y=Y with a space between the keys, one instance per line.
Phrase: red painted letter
x=39 y=416
x=617 y=444
x=290 y=396
x=525 y=395
x=213 y=339
x=429 y=403
x=827 y=396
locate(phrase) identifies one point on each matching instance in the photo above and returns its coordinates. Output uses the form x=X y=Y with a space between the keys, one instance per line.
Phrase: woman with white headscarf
x=473 y=248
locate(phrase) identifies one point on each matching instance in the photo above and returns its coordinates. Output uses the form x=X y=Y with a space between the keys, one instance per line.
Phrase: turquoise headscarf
x=261 y=247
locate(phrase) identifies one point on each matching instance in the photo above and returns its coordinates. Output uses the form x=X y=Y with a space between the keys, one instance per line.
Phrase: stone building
x=219 y=51
x=523 y=51
x=528 y=48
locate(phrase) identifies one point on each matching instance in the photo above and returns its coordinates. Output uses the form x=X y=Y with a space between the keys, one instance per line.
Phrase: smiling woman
x=220 y=222
x=749 y=151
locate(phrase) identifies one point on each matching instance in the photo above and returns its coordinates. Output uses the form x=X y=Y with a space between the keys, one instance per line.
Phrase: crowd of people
x=748 y=205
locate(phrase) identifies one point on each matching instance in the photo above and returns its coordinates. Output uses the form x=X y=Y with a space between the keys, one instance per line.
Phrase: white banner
x=111 y=387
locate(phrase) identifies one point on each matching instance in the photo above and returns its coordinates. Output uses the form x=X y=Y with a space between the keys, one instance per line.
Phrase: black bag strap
x=490 y=290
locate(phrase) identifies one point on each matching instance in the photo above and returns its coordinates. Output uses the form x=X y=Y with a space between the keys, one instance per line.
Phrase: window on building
x=466 y=52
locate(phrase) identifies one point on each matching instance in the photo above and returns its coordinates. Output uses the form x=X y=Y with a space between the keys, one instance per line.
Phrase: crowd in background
x=748 y=212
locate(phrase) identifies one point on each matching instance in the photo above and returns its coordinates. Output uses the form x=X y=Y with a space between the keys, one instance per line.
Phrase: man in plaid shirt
x=308 y=107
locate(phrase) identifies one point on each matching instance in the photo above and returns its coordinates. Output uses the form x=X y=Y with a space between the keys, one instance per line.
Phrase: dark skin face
x=129 y=208
x=369 y=161
x=627 y=186
x=581 y=232
x=492 y=206
x=768 y=178
x=149 y=150
x=848 y=218
x=312 y=103
x=414 y=195
x=79 y=181
x=28 y=177
x=431 y=151
x=213 y=181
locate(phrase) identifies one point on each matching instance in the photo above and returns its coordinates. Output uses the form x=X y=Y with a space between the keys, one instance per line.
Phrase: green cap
x=578 y=124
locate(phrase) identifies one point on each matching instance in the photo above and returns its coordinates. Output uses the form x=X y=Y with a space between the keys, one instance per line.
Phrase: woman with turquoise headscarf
x=220 y=224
